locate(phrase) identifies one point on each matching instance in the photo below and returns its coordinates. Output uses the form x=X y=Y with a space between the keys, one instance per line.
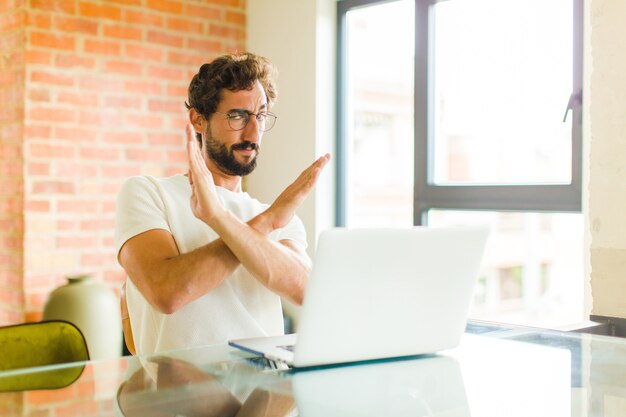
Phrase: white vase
x=94 y=309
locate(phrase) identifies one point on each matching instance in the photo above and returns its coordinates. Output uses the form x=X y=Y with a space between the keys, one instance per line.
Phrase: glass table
x=495 y=371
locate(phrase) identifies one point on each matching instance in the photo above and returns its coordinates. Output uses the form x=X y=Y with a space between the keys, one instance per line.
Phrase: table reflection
x=166 y=386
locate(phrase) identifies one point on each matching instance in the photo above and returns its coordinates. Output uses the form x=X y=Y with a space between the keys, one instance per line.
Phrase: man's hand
x=280 y=213
x=205 y=204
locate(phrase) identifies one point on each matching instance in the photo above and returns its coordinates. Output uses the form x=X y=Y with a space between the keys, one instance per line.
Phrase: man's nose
x=253 y=130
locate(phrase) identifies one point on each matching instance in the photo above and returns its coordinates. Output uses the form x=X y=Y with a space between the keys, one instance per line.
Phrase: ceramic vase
x=94 y=309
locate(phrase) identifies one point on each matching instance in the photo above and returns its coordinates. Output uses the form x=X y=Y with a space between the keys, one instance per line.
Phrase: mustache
x=245 y=145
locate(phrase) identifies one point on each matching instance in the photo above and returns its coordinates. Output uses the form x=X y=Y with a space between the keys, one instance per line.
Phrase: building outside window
x=468 y=112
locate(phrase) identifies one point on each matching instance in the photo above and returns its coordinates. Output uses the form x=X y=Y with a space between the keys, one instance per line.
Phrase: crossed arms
x=169 y=280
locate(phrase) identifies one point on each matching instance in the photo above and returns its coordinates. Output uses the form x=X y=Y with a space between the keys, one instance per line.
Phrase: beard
x=225 y=159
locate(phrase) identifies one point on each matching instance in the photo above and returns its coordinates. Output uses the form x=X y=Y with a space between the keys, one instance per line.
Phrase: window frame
x=428 y=195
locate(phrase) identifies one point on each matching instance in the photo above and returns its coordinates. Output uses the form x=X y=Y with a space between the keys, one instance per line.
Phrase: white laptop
x=381 y=293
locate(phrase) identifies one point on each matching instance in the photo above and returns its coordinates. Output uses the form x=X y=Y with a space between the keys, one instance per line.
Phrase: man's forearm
x=275 y=265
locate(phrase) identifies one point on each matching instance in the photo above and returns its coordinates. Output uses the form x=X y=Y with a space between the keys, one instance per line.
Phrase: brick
x=61 y=6
x=11 y=188
x=41 y=206
x=231 y=3
x=143 y=87
x=38 y=57
x=76 y=25
x=124 y=137
x=11 y=78
x=166 y=39
x=177 y=91
x=102 y=154
x=11 y=205
x=167 y=6
x=144 y=155
x=10 y=151
x=143 y=18
x=165 y=73
x=11 y=297
x=177 y=156
x=45 y=77
x=123 y=67
x=167 y=106
x=100 y=11
x=11 y=168
x=38 y=168
x=74 y=61
x=50 y=151
x=37 y=131
x=99 y=118
x=72 y=206
x=123 y=32
x=32 y=316
x=238 y=18
x=51 y=114
x=97 y=259
x=11 y=21
x=76 y=134
x=11 y=278
x=52 y=187
x=64 y=225
x=205 y=12
x=12 y=133
x=47 y=40
x=186 y=58
x=100 y=83
x=80 y=99
x=38 y=20
x=102 y=47
x=120 y=171
x=81 y=171
x=126 y=102
x=39 y=95
x=166 y=139
x=144 y=52
x=204 y=45
x=97 y=224
x=185 y=25
x=109 y=207
x=226 y=31
x=142 y=120
x=127 y=2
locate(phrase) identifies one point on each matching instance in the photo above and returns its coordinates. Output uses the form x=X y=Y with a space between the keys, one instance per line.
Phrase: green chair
x=28 y=345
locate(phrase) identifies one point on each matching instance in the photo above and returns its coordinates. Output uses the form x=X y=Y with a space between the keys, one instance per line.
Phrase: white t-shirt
x=240 y=307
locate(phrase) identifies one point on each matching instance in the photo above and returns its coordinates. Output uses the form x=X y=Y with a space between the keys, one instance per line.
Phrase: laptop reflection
x=430 y=386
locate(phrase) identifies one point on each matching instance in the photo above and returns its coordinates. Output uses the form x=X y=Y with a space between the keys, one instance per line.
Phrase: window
x=468 y=111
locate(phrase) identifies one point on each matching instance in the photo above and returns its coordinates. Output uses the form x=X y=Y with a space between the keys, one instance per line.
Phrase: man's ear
x=196 y=119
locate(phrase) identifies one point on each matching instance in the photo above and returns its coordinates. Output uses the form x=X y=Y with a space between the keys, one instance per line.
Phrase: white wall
x=607 y=156
x=299 y=38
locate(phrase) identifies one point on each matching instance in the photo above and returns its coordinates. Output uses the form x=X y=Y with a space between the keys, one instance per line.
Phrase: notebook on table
x=381 y=293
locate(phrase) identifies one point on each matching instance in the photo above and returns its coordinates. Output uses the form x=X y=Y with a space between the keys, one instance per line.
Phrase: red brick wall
x=11 y=175
x=105 y=85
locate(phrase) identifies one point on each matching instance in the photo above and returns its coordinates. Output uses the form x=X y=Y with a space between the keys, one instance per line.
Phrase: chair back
x=39 y=344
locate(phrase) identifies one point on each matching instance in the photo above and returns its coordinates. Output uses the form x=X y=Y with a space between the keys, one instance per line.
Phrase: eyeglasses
x=237 y=120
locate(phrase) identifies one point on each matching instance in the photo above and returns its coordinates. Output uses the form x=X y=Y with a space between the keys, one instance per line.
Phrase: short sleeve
x=139 y=208
x=293 y=231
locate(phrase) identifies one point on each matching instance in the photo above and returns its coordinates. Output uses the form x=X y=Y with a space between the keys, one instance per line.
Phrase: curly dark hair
x=232 y=72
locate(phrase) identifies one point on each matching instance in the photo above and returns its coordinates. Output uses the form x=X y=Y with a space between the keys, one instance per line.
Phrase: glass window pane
x=379 y=116
x=501 y=86
x=532 y=270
